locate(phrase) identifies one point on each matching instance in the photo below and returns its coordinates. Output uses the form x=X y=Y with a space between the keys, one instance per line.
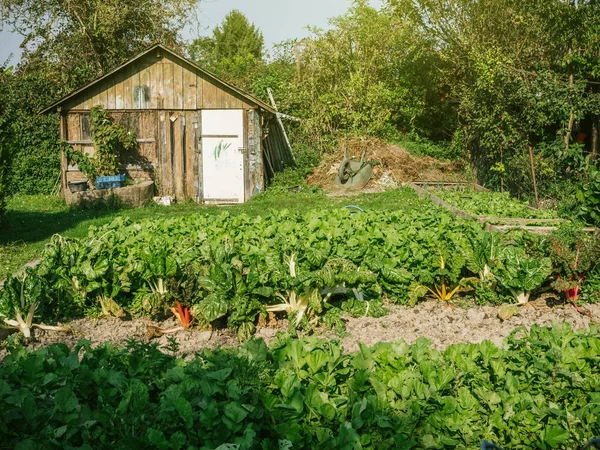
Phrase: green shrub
x=32 y=138
x=3 y=190
x=588 y=197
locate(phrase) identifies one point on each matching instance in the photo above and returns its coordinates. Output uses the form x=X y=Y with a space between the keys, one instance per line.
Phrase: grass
x=33 y=220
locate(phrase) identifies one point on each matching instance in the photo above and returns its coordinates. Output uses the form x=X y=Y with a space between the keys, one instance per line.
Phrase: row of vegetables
x=493 y=204
x=539 y=391
x=230 y=270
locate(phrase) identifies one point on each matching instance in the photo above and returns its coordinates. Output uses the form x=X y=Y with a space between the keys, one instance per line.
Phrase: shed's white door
x=223 y=155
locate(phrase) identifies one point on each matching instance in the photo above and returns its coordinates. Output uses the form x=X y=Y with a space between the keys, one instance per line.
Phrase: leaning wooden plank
x=522 y=221
x=287 y=141
x=533 y=229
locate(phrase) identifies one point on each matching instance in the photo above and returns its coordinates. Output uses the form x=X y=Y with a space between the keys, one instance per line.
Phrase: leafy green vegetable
x=521 y=274
x=540 y=390
x=228 y=269
x=19 y=301
x=493 y=204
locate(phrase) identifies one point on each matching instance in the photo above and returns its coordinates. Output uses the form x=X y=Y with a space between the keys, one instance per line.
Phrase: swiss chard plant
x=574 y=253
x=23 y=297
x=520 y=274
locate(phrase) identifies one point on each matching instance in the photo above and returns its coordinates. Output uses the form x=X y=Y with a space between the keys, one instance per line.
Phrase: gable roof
x=212 y=77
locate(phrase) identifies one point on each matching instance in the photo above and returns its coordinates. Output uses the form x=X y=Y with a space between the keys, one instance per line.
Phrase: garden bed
x=497 y=211
x=443 y=324
x=537 y=391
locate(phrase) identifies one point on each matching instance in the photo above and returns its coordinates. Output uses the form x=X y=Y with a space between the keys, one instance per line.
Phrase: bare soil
x=442 y=324
x=446 y=324
x=395 y=166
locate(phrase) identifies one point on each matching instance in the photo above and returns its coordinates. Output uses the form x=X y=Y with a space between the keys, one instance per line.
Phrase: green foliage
x=588 y=197
x=420 y=146
x=73 y=42
x=306 y=394
x=365 y=75
x=234 y=51
x=4 y=155
x=30 y=156
x=111 y=143
x=521 y=274
x=3 y=166
x=575 y=255
x=230 y=268
x=493 y=204
x=516 y=71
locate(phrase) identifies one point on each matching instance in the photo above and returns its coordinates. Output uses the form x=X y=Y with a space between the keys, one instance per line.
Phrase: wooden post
x=537 y=200
x=594 y=154
x=64 y=165
x=571 y=120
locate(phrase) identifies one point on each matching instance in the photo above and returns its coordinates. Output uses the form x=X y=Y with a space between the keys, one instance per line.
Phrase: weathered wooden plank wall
x=138 y=164
x=255 y=180
x=170 y=150
x=153 y=82
x=160 y=97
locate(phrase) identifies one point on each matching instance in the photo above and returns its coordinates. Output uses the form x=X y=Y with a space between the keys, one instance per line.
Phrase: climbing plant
x=111 y=140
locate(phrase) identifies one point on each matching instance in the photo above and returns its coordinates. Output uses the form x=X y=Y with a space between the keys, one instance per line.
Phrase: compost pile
x=396 y=166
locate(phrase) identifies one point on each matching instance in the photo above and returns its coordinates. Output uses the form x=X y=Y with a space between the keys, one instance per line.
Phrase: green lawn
x=33 y=220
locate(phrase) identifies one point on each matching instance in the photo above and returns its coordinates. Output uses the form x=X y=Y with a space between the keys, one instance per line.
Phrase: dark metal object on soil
x=354 y=174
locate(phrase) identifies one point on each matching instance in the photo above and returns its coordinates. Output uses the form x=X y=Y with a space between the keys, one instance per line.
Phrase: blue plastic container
x=110 y=182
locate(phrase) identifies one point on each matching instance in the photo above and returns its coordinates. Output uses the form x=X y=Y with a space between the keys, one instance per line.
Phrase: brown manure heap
x=396 y=165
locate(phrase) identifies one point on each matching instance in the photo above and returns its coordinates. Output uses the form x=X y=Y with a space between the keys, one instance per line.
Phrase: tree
x=67 y=43
x=76 y=40
x=234 y=51
x=510 y=67
x=370 y=73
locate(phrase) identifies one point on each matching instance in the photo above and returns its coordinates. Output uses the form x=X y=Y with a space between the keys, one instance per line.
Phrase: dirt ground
x=395 y=166
x=442 y=324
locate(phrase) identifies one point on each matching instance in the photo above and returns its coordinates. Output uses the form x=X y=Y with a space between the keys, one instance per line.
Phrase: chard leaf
x=212 y=307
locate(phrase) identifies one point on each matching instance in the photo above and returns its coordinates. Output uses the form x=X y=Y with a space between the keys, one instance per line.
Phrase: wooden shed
x=199 y=137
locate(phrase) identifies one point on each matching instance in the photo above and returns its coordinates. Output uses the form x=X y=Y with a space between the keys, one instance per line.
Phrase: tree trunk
x=594 y=154
x=537 y=200
x=571 y=120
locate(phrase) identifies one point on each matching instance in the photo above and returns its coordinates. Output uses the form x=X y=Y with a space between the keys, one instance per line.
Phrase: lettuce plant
x=483 y=255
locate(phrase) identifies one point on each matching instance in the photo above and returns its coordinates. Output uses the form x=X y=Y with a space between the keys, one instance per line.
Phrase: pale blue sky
x=277 y=19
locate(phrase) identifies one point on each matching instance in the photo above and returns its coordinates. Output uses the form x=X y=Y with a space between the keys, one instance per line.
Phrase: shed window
x=141 y=96
x=86 y=132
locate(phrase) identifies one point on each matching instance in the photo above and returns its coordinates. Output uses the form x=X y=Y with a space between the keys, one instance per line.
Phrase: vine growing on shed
x=111 y=140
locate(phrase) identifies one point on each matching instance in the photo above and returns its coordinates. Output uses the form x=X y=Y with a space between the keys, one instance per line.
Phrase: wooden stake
x=537 y=200
x=64 y=164
x=594 y=154
x=571 y=120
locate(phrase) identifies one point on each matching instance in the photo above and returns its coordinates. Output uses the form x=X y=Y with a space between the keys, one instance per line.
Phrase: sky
x=277 y=19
